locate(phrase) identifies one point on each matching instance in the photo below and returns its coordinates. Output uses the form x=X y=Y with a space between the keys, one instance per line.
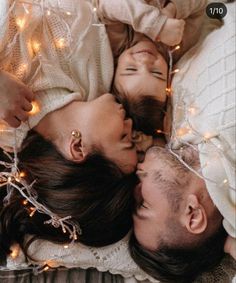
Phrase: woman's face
x=106 y=127
x=142 y=70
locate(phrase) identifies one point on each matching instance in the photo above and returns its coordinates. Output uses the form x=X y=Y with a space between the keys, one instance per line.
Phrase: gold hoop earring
x=76 y=134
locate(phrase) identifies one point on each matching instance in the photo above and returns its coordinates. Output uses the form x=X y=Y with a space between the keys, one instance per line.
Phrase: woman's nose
x=128 y=125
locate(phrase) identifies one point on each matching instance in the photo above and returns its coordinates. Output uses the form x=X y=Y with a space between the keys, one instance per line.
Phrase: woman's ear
x=195 y=217
x=78 y=151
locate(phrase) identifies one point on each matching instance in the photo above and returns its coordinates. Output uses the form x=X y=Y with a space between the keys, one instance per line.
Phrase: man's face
x=153 y=211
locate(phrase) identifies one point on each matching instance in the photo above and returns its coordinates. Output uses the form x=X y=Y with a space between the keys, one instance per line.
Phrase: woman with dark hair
x=96 y=195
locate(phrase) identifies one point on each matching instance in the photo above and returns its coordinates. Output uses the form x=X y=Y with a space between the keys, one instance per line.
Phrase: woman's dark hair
x=180 y=265
x=96 y=194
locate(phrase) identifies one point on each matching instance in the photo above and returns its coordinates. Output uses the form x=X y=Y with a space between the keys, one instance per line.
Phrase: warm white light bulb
x=14 y=252
x=60 y=43
x=35 y=108
x=20 y=22
x=36 y=46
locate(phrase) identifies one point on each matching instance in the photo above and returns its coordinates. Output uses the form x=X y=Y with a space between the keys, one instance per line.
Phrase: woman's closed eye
x=129 y=144
x=142 y=204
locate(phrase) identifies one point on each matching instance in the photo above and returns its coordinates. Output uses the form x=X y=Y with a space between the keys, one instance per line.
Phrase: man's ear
x=77 y=150
x=195 y=217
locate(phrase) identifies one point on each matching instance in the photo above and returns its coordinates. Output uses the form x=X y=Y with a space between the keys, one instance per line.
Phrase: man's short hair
x=180 y=264
x=181 y=257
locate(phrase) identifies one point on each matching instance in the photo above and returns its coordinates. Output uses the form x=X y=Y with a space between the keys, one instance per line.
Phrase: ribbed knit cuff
x=154 y=29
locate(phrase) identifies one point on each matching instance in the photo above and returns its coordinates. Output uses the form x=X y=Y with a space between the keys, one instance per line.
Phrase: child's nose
x=144 y=58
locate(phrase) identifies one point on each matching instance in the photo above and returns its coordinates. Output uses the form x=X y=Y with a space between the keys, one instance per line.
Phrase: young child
x=141 y=74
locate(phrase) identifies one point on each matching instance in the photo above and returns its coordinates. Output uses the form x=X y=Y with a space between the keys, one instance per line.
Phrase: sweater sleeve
x=143 y=18
x=186 y=9
x=193 y=13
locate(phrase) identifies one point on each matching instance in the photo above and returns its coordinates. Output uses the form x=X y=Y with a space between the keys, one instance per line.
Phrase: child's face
x=142 y=70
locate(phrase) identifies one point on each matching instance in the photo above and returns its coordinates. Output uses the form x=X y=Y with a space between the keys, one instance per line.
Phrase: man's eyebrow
x=158 y=177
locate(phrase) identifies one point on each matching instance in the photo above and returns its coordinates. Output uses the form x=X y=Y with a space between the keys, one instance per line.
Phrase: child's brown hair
x=146 y=112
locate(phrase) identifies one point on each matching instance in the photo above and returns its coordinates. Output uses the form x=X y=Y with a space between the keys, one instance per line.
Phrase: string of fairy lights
x=14 y=179
x=179 y=132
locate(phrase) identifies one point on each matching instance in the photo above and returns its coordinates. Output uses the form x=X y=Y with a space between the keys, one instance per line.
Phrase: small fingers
x=13 y=122
x=21 y=115
x=26 y=105
x=27 y=93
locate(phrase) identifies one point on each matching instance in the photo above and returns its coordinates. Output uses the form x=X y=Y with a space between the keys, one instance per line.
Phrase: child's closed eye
x=157 y=72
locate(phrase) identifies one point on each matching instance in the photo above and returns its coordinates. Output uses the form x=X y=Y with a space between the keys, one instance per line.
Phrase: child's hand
x=169 y=11
x=15 y=100
x=172 y=32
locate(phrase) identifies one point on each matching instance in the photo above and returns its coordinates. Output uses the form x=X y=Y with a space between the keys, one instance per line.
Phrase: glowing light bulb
x=24 y=67
x=36 y=46
x=60 y=43
x=46 y=268
x=2 y=128
x=192 y=110
x=225 y=181
x=22 y=174
x=183 y=131
x=25 y=202
x=66 y=246
x=177 y=47
x=159 y=131
x=94 y=9
x=35 y=108
x=207 y=136
x=33 y=210
x=175 y=71
x=48 y=12
x=68 y=13
x=10 y=179
x=14 y=252
x=168 y=90
x=20 y=22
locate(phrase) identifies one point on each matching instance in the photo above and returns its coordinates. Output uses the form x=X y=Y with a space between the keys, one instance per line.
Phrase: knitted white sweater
x=204 y=110
x=55 y=49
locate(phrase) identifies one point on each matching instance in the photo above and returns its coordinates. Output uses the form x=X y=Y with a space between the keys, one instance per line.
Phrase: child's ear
x=194 y=217
x=78 y=151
